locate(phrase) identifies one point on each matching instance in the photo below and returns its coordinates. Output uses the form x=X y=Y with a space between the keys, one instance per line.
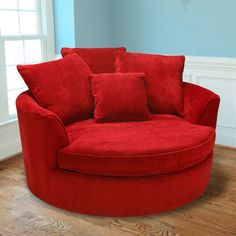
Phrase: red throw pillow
x=61 y=86
x=119 y=97
x=100 y=60
x=163 y=79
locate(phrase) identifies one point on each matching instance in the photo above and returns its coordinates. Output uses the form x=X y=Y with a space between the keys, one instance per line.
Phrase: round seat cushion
x=162 y=145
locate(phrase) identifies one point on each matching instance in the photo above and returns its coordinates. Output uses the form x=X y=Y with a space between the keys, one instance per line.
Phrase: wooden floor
x=212 y=214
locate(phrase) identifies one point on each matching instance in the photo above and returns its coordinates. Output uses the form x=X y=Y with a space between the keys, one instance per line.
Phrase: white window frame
x=9 y=133
x=46 y=35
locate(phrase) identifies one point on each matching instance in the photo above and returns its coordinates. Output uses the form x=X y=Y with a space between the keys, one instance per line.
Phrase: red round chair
x=120 y=169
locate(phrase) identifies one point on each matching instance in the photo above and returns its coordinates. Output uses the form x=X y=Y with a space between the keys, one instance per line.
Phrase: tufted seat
x=122 y=149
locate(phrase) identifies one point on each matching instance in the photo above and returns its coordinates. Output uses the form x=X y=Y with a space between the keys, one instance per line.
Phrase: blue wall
x=190 y=27
x=93 y=20
x=64 y=24
x=82 y=23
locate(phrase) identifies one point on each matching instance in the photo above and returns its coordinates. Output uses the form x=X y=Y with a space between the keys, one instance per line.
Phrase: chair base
x=124 y=196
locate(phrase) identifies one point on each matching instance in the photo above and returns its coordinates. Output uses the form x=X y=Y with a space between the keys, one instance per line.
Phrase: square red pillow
x=163 y=79
x=61 y=86
x=119 y=97
x=100 y=60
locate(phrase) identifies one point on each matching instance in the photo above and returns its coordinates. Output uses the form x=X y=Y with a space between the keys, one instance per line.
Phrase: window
x=26 y=37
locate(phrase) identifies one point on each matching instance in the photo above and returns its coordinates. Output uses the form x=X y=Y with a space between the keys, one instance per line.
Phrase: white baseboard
x=226 y=136
x=9 y=140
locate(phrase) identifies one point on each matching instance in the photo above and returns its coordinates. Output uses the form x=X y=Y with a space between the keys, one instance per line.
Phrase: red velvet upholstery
x=61 y=86
x=200 y=105
x=44 y=137
x=39 y=130
x=151 y=150
x=163 y=79
x=128 y=196
x=119 y=97
x=100 y=60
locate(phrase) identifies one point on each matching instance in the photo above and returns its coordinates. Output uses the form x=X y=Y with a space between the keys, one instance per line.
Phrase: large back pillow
x=163 y=80
x=100 y=60
x=61 y=86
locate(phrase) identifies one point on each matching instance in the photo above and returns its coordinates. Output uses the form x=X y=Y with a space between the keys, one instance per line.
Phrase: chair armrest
x=42 y=134
x=200 y=105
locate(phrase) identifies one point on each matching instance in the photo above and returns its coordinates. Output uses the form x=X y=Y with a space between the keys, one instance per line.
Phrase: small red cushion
x=119 y=97
x=100 y=60
x=163 y=79
x=61 y=86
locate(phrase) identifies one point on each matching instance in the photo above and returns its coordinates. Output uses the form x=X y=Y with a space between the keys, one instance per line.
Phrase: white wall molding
x=211 y=63
x=218 y=75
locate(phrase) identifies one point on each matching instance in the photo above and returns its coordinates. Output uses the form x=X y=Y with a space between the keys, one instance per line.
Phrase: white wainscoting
x=216 y=74
x=9 y=140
